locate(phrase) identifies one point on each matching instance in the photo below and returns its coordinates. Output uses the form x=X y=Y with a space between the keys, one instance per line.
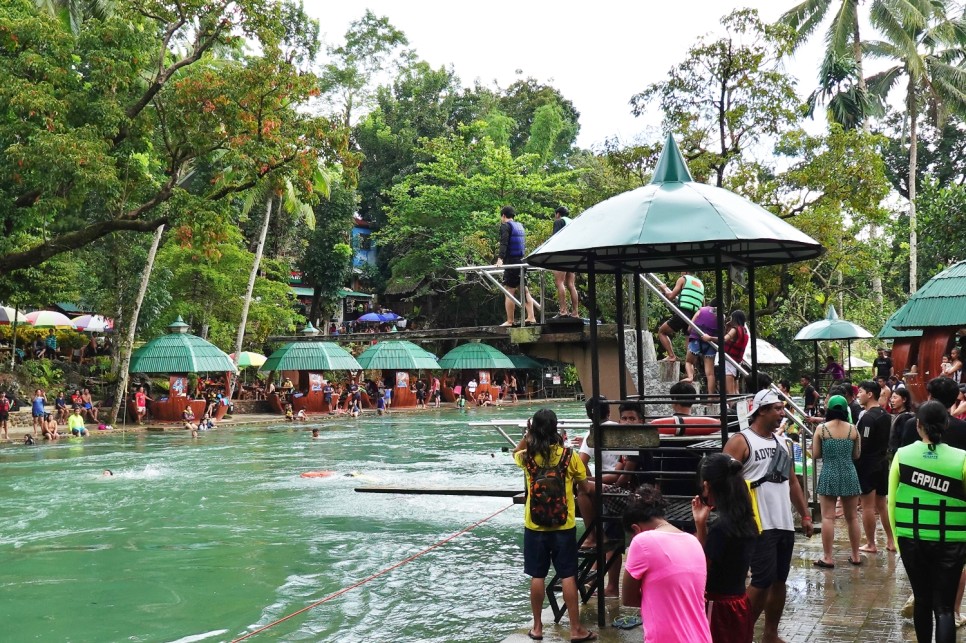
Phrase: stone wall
x=251 y=406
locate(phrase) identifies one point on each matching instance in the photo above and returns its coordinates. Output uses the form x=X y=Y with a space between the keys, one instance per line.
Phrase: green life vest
x=692 y=295
x=931 y=497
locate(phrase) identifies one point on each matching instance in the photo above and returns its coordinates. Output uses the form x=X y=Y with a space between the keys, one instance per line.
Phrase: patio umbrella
x=397 y=356
x=831 y=329
x=13 y=317
x=93 y=323
x=311 y=356
x=370 y=317
x=858 y=362
x=247 y=358
x=475 y=356
x=767 y=354
x=7 y=315
x=49 y=319
x=389 y=316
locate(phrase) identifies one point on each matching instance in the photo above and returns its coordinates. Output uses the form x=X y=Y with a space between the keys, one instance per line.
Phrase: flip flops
x=583 y=639
x=821 y=563
x=533 y=636
x=855 y=562
x=627 y=622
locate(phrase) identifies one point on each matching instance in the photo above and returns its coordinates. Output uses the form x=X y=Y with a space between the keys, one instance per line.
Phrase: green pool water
x=207 y=539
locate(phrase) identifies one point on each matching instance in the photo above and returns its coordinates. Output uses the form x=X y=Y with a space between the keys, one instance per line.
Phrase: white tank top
x=774 y=503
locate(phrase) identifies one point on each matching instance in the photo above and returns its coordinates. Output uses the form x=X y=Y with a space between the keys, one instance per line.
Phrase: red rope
x=369 y=578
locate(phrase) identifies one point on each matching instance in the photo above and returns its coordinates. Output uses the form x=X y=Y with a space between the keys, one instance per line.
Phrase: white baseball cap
x=764 y=398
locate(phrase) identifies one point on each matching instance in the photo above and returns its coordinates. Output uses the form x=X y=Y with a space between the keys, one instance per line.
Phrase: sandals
x=855 y=562
x=821 y=563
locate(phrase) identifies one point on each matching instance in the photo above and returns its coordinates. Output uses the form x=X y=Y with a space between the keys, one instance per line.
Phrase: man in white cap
x=769 y=469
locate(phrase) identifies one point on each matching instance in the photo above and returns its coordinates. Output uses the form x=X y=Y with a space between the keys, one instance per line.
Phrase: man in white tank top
x=775 y=495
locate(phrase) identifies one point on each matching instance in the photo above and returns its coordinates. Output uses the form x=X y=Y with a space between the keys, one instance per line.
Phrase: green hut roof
x=311 y=356
x=398 y=356
x=941 y=301
x=889 y=331
x=475 y=355
x=180 y=353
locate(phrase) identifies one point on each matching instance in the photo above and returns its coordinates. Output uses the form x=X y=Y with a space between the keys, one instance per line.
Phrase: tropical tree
x=727 y=95
x=102 y=128
x=928 y=49
x=842 y=85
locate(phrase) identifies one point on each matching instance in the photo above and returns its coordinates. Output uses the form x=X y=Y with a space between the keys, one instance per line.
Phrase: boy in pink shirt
x=664 y=574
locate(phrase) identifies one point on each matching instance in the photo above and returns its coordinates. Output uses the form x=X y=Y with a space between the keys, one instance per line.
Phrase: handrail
x=486 y=273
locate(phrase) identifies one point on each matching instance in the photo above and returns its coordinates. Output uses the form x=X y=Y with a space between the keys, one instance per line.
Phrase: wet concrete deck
x=849 y=603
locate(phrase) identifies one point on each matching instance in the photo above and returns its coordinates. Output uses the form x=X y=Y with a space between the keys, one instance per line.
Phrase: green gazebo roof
x=475 y=355
x=180 y=353
x=941 y=301
x=397 y=355
x=525 y=362
x=311 y=356
x=674 y=223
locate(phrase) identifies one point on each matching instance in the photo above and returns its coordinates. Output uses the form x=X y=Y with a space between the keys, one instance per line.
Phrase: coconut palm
x=928 y=52
x=842 y=83
x=73 y=13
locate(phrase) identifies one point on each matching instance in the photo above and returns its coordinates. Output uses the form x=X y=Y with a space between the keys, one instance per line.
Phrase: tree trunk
x=857 y=54
x=132 y=325
x=251 y=285
x=913 y=239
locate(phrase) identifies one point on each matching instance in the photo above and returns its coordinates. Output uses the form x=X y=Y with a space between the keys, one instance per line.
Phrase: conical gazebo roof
x=941 y=301
x=311 y=356
x=397 y=355
x=674 y=223
x=475 y=355
x=830 y=329
x=180 y=353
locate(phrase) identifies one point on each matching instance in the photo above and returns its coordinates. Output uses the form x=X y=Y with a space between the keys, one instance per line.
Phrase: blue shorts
x=540 y=548
x=703 y=349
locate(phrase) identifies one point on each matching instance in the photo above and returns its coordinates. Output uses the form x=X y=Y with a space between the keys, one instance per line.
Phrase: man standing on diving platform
x=512 y=248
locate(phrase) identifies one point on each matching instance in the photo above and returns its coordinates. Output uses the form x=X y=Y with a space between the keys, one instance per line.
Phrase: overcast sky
x=598 y=54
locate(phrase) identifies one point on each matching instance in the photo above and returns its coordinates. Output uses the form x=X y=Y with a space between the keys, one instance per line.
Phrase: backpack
x=548 y=491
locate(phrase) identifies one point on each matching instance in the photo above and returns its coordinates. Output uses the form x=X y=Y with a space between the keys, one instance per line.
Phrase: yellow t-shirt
x=75 y=422
x=576 y=472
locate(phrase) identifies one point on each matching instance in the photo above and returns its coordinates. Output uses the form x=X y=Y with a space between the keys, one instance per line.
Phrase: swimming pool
x=204 y=540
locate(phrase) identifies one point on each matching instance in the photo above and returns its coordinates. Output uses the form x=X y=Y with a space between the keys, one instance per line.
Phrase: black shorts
x=511 y=276
x=874 y=477
x=420 y=396
x=676 y=323
x=772 y=558
x=4 y=416
x=540 y=548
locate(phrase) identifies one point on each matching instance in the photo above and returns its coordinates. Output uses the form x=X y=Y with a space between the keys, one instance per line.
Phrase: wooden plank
x=443 y=491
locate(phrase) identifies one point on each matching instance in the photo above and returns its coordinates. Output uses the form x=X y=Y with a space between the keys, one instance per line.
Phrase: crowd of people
x=897 y=469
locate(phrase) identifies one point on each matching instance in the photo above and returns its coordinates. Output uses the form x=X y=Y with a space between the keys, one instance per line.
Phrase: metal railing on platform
x=487 y=275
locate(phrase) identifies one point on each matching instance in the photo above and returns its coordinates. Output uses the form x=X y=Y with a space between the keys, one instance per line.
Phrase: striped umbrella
x=49 y=319
x=7 y=316
x=93 y=323
x=247 y=358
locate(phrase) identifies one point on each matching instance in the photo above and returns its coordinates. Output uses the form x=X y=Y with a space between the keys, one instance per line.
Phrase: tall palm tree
x=841 y=81
x=929 y=51
x=73 y=13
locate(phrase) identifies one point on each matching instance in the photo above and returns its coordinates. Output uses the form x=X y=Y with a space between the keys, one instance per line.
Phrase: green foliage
x=108 y=128
x=205 y=288
x=327 y=258
x=446 y=214
x=942 y=225
x=41 y=373
x=728 y=94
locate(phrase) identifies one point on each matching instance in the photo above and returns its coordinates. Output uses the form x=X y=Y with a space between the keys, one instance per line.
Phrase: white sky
x=598 y=54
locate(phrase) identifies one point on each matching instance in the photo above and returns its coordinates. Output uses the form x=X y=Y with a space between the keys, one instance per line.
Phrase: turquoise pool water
x=207 y=539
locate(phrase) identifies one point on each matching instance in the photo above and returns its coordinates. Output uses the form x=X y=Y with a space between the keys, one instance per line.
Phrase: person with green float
x=927 y=509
